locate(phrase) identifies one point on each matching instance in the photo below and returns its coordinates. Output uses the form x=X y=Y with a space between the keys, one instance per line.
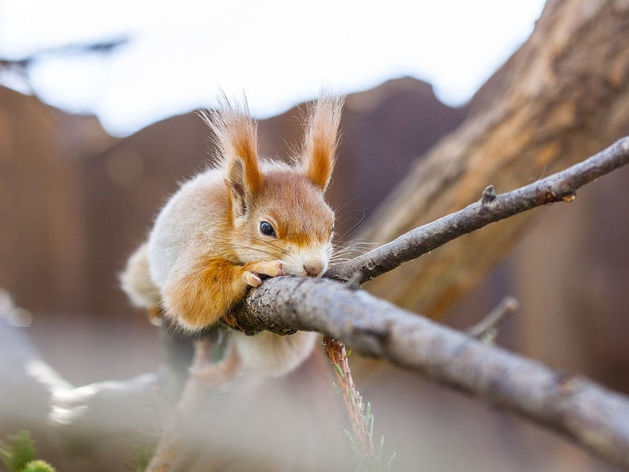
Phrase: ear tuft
x=321 y=140
x=235 y=136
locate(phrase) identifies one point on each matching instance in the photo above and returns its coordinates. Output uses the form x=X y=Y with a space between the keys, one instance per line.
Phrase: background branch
x=486 y=329
x=561 y=186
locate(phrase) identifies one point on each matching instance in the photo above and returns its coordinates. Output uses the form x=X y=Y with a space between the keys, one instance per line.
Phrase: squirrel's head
x=278 y=210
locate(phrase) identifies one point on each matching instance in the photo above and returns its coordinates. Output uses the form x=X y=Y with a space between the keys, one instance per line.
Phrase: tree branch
x=491 y=208
x=486 y=329
x=591 y=415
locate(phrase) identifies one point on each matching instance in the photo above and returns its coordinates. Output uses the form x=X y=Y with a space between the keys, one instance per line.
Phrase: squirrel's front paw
x=251 y=279
x=270 y=268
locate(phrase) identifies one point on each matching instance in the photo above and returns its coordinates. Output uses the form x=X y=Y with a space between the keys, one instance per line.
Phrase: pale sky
x=279 y=52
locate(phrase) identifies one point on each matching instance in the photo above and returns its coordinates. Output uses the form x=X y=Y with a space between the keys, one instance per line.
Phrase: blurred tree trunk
x=560 y=97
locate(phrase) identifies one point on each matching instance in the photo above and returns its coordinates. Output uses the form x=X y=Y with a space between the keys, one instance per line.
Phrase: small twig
x=486 y=328
x=559 y=187
x=355 y=280
x=367 y=457
x=351 y=397
x=489 y=195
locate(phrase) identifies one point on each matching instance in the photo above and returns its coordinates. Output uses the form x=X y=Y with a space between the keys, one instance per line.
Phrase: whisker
x=334 y=260
x=230 y=243
x=282 y=250
x=339 y=210
x=355 y=226
x=262 y=251
x=350 y=250
x=356 y=245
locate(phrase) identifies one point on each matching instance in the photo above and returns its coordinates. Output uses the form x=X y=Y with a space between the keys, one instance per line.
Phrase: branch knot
x=489 y=195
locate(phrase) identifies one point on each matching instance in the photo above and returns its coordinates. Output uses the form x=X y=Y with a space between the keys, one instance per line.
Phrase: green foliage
x=18 y=451
x=18 y=455
x=38 y=466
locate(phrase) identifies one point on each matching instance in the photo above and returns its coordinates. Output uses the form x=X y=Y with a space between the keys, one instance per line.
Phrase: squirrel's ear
x=321 y=140
x=235 y=135
x=239 y=191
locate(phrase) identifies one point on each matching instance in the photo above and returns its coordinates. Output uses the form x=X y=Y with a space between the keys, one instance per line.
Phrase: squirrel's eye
x=266 y=229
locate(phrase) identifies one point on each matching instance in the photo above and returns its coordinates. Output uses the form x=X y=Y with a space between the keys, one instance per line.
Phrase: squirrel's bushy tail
x=271 y=355
x=137 y=283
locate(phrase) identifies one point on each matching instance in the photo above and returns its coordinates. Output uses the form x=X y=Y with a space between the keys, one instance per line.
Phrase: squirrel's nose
x=313 y=268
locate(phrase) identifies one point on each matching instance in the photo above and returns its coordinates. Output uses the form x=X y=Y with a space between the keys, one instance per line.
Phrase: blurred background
x=98 y=127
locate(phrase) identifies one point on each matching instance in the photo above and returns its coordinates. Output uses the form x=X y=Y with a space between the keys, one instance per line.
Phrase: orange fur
x=296 y=207
x=235 y=134
x=321 y=140
x=202 y=296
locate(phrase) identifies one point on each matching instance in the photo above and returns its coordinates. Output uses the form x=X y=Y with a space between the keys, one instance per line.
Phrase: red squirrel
x=241 y=219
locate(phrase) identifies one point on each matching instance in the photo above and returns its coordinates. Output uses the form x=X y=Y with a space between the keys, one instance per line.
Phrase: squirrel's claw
x=252 y=279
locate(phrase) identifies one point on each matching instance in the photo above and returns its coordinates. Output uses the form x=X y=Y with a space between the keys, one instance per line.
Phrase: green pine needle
x=381 y=447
